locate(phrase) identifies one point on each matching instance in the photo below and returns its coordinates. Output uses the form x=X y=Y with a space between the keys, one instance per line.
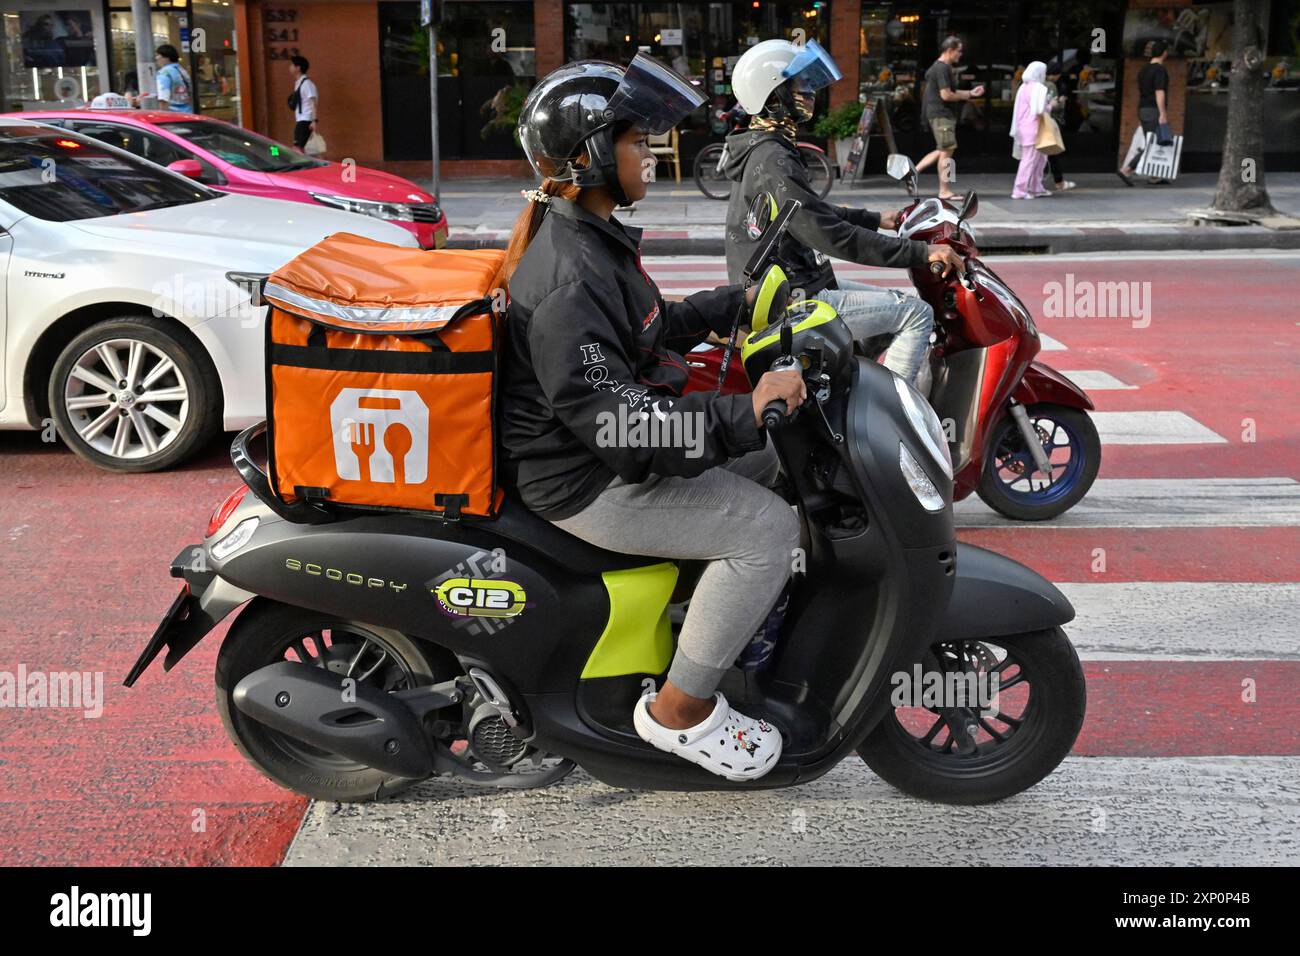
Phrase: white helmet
x=765 y=66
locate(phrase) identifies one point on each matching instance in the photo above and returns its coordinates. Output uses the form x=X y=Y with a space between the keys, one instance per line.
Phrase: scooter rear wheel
x=1041 y=700
x=266 y=632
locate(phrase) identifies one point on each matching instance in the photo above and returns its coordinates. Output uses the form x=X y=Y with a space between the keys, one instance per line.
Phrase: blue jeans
x=870 y=310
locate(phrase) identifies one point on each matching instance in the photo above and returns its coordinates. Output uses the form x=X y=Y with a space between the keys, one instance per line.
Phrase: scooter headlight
x=926 y=493
x=236 y=539
x=925 y=423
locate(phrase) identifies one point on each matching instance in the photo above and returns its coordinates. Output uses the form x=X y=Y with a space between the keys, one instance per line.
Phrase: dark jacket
x=590 y=340
x=761 y=161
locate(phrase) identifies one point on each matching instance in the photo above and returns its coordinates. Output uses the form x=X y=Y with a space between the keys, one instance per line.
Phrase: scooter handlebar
x=775 y=413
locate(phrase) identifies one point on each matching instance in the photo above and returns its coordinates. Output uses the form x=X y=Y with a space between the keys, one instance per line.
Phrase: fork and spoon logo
x=380 y=435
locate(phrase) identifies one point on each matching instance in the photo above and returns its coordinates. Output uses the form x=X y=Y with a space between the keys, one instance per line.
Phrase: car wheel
x=134 y=394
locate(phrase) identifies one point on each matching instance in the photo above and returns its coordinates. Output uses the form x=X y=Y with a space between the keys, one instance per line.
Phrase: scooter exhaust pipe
x=359 y=722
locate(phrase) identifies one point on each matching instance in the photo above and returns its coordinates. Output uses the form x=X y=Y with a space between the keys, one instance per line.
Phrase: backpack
x=180 y=84
x=381 y=371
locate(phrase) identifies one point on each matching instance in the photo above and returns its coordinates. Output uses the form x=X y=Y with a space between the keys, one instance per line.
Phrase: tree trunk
x=1241 y=177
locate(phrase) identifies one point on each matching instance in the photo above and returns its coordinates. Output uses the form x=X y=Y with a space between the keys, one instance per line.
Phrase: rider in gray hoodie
x=775 y=82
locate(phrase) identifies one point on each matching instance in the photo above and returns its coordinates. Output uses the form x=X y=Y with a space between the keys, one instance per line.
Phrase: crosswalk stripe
x=1099 y=811
x=1180 y=620
x=1164 y=503
x=1153 y=428
x=1093 y=380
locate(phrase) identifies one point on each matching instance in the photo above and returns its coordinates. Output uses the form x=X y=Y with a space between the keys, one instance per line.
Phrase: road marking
x=1153 y=428
x=1163 y=503
x=1096 y=381
x=1178 y=620
x=1049 y=344
x=1157 y=811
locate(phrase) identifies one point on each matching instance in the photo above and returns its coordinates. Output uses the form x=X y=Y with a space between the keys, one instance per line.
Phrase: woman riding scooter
x=592 y=343
x=775 y=81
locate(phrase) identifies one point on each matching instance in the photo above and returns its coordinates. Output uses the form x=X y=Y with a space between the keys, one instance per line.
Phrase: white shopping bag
x=315 y=145
x=1160 y=162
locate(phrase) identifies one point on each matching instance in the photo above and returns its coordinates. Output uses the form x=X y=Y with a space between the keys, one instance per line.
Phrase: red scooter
x=1018 y=430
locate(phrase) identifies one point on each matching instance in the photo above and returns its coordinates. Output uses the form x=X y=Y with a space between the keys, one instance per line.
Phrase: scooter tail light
x=225 y=510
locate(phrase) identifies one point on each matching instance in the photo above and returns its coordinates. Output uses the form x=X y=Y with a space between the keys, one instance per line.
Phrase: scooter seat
x=516 y=522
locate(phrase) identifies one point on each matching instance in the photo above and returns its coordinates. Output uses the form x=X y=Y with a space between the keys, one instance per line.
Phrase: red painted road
x=83 y=581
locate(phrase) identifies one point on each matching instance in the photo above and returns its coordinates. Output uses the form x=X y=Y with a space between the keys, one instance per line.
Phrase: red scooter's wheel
x=1011 y=484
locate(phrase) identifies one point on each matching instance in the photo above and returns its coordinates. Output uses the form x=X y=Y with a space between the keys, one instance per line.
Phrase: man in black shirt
x=939 y=110
x=1153 y=111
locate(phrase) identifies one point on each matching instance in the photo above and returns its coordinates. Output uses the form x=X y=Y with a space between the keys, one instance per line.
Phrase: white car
x=126 y=317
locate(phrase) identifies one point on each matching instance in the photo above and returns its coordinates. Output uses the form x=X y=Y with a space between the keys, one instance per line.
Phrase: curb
x=993 y=240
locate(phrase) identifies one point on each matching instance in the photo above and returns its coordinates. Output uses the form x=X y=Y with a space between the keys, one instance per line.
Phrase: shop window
x=52 y=53
x=701 y=41
x=486 y=66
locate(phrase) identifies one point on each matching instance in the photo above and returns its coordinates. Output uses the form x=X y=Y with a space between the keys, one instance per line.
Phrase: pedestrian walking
x=303 y=101
x=175 y=89
x=1153 y=111
x=1031 y=105
x=1057 y=98
x=939 y=110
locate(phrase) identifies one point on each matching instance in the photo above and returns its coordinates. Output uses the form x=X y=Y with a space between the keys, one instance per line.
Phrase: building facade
x=370 y=60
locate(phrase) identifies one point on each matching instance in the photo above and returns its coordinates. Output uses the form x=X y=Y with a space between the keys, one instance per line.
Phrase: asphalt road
x=1196 y=513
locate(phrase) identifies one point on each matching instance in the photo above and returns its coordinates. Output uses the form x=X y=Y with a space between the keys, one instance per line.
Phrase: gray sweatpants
x=726 y=516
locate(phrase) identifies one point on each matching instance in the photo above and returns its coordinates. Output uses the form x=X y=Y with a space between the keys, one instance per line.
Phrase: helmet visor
x=812 y=68
x=653 y=96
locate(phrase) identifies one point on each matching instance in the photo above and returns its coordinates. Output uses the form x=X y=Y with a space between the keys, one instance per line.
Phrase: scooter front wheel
x=1029 y=696
x=1011 y=483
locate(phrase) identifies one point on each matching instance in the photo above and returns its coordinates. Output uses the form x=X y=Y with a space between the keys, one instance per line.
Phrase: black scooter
x=375 y=650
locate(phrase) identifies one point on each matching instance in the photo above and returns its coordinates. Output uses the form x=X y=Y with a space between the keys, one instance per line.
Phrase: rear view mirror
x=900 y=167
x=187 y=167
x=970 y=205
x=761 y=213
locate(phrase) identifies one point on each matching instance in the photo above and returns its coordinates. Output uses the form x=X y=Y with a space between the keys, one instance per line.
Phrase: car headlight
x=367 y=207
x=235 y=540
x=925 y=423
x=926 y=493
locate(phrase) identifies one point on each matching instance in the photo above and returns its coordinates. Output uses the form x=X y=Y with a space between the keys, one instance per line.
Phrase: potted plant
x=504 y=110
x=840 y=125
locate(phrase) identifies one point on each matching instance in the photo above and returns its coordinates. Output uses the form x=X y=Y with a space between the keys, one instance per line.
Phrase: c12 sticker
x=480 y=597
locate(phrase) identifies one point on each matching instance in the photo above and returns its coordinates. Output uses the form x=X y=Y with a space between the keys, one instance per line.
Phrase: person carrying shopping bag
x=1056 y=99
x=1031 y=105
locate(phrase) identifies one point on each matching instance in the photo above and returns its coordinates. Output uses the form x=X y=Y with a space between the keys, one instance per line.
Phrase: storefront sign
x=670 y=37
x=281 y=31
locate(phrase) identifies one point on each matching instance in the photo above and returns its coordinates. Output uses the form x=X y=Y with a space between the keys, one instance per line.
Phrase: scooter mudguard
x=1044 y=384
x=994 y=595
x=204 y=602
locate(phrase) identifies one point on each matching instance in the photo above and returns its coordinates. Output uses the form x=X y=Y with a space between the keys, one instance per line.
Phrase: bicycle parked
x=711 y=163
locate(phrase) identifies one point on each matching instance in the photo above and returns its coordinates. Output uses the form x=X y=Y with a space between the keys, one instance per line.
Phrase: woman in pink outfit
x=1031 y=104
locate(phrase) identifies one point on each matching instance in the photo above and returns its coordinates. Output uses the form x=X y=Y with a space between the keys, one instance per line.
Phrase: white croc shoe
x=727 y=743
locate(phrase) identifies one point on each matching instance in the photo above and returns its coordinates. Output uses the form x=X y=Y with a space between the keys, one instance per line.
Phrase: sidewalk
x=1101 y=215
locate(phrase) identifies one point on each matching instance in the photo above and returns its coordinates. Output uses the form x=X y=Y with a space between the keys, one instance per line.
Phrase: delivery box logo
x=380 y=435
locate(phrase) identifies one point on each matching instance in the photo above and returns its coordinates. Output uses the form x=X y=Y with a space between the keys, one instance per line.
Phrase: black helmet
x=580 y=104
